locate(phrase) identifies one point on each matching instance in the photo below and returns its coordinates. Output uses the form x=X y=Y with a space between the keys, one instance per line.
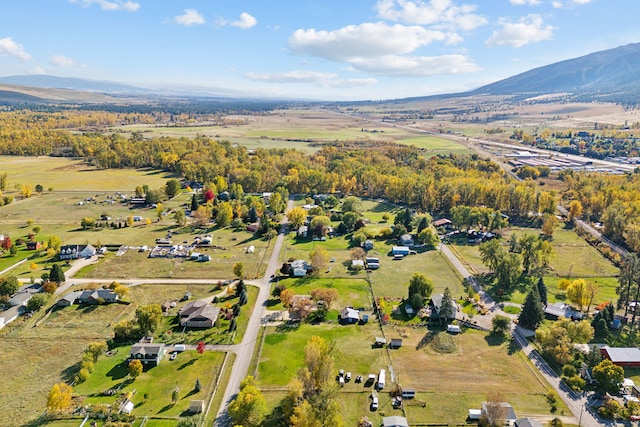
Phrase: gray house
x=198 y=314
x=147 y=353
x=97 y=296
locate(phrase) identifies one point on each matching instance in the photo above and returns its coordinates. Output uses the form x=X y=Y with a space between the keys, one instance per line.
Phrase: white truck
x=381 y=379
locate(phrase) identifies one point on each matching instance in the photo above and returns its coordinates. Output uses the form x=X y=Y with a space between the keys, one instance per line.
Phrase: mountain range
x=611 y=75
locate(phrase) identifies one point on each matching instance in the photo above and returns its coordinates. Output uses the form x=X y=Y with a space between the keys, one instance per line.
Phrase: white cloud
x=439 y=13
x=364 y=40
x=295 y=76
x=523 y=2
x=416 y=66
x=189 y=17
x=62 y=61
x=526 y=30
x=110 y=5
x=382 y=49
x=569 y=3
x=8 y=47
x=245 y=22
x=312 y=77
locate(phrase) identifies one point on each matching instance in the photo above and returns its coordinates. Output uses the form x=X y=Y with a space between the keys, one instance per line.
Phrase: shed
x=405 y=240
x=395 y=343
x=357 y=264
x=380 y=342
x=395 y=421
x=349 y=315
x=367 y=245
x=474 y=414
x=127 y=407
x=196 y=406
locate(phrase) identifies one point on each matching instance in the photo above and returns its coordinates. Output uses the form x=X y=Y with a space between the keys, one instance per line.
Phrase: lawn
x=154 y=387
x=449 y=391
x=351 y=292
x=44 y=361
x=433 y=145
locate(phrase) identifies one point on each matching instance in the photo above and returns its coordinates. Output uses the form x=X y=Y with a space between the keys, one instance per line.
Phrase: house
x=198 y=314
x=299 y=268
x=147 y=353
x=69 y=299
x=395 y=421
x=528 y=422
x=400 y=250
x=87 y=252
x=405 y=240
x=69 y=252
x=506 y=412
x=20 y=299
x=626 y=357
x=97 y=296
x=34 y=246
x=560 y=309
x=349 y=315
x=395 y=343
x=303 y=230
x=253 y=227
x=436 y=302
x=443 y=222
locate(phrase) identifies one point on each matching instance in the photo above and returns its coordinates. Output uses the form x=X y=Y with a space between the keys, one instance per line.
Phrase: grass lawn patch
x=351 y=292
x=353 y=344
x=450 y=391
x=154 y=387
x=511 y=309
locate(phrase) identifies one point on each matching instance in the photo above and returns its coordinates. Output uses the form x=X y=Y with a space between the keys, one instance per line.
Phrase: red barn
x=626 y=357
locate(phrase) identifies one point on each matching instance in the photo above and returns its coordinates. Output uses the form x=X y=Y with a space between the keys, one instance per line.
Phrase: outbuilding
x=626 y=357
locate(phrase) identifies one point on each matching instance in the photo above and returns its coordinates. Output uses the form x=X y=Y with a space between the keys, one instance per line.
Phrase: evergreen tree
x=194 y=203
x=253 y=215
x=447 y=307
x=424 y=223
x=532 y=313
x=57 y=275
x=542 y=291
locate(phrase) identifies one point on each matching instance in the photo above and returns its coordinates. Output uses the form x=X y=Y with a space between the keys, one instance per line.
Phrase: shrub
x=444 y=343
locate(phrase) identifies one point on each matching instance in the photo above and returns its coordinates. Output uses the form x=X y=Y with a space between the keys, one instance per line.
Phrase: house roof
x=395 y=421
x=105 y=294
x=442 y=221
x=436 y=300
x=528 y=422
x=71 y=296
x=200 y=309
x=146 y=348
x=560 y=309
x=622 y=354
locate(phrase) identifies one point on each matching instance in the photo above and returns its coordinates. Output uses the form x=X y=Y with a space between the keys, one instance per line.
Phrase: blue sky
x=319 y=49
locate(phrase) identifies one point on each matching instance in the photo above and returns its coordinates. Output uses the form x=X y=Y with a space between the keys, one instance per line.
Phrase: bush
x=444 y=343
x=83 y=375
x=576 y=382
x=569 y=371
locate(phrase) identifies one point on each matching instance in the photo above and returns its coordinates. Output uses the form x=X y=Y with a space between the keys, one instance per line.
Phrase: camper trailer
x=381 y=379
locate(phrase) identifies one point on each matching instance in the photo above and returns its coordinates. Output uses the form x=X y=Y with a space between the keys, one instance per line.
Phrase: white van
x=179 y=347
x=381 y=379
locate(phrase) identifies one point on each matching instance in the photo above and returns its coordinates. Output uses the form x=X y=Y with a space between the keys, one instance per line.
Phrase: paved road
x=244 y=350
x=577 y=403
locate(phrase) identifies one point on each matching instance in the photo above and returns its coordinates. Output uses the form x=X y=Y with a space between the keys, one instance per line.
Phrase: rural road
x=245 y=349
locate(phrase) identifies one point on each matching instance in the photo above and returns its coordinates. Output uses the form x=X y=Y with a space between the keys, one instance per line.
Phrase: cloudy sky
x=328 y=49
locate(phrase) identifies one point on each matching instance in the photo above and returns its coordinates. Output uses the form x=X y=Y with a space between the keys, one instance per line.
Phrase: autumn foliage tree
x=59 y=397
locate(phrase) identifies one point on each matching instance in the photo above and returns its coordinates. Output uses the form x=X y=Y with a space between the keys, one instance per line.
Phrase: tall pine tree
x=532 y=313
x=542 y=291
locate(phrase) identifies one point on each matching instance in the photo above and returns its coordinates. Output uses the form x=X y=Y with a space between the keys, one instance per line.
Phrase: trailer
x=381 y=379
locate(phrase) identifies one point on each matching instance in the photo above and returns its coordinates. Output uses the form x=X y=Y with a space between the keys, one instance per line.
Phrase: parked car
x=173 y=355
x=374 y=403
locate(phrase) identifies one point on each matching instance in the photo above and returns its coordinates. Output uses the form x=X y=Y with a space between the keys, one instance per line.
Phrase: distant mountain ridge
x=608 y=75
x=611 y=75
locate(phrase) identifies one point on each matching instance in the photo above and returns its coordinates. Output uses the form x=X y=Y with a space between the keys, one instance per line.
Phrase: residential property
x=301 y=306
x=506 y=412
x=299 y=268
x=367 y=245
x=357 y=264
x=69 y=252
x=69 y=299
x=560 y=309
x=198 y=314
x=97 y=296
x=436 y=302
x=406 y=240
x=443 y=222
x=349 y=315
x=528 y=422
x=147 y=353
x=626 y=357
x=24 y=294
